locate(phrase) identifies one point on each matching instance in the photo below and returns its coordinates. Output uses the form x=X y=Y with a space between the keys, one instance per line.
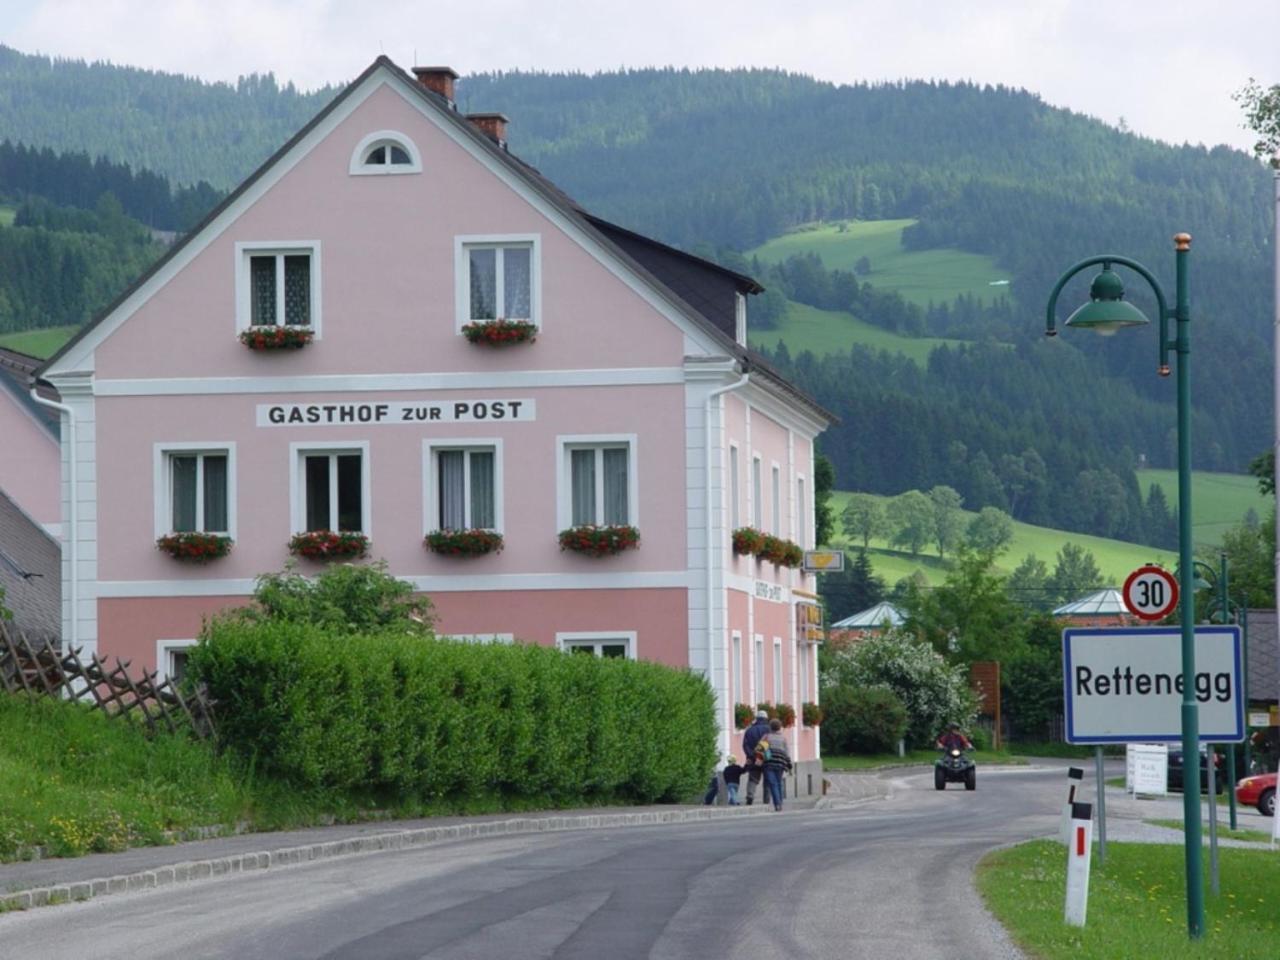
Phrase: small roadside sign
x=1259 y=718
x=823 y=561
x=1151 y=593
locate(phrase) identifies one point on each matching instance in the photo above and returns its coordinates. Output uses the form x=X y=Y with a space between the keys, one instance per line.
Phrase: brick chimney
x=438 y=80
x=492 y=125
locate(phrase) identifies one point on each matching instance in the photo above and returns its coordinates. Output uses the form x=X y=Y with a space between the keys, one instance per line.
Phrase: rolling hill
x=920 y=276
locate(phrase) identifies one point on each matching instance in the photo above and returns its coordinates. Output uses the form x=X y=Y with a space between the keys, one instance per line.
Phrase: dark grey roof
x=30 y=572
x=1264 y=657
x=16 y=372
x=693 y=278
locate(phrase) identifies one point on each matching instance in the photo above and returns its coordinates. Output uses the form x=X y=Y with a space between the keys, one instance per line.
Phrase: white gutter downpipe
x=74 y=536
x=706 y=430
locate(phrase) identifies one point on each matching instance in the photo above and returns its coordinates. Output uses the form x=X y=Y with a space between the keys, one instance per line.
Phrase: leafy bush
x=933 y=692
x=358 y=597
x=390 y=712
x=862 y=720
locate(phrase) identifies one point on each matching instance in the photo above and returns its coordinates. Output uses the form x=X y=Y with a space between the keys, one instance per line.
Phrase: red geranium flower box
x=600 y=541
x=276 y=337
x=195 y=546
x=464 y=543
x=500 y=332
x=329 y=545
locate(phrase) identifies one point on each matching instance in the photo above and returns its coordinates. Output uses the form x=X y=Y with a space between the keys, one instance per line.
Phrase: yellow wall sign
x=823 y=561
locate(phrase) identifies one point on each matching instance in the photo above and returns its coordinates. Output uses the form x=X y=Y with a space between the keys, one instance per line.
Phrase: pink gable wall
x=30 y=463
x=394 y=237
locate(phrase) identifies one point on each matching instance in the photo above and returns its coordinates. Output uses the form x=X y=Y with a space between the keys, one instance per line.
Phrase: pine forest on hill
x=883 y=218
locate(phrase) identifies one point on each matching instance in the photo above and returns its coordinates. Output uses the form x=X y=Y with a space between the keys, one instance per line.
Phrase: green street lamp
x=1106 y=313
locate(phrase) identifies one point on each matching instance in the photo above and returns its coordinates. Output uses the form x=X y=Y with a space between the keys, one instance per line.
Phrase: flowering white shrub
x=934 y=692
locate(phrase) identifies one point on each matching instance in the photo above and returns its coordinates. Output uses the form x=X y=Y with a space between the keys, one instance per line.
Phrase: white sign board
x=1125 y=684
x=1259 y=718
x=1147 y=769
x=380 y=412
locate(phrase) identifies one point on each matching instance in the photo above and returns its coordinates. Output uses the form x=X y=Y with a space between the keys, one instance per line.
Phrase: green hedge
x=439 y=719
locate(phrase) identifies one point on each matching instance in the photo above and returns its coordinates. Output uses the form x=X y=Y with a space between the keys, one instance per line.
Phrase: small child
x=732 y=777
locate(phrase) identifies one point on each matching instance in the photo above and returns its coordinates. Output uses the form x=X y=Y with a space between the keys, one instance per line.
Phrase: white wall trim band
x=160 y=589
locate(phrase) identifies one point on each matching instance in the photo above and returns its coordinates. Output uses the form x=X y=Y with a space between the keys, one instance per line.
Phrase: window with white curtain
x=601 y=480
x=735 y=667
x=735 y=510
x=802 y=666
x=777 y=670
x=500 y=281
x=757 y=687
x=777 y=501
x=465 y=488
x=757 y=494
x=802 y=525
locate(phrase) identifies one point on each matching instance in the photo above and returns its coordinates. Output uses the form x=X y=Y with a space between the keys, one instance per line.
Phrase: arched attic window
x=384 y=152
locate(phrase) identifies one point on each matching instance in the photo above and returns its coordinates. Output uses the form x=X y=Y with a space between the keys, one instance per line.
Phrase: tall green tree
x=863 y=518
x=851 y=590
x=948 y=522
x=1075 y=574
x=1028 y=585
x=824 y=481
x=990 y=532
x=910 y=517
x=971 y=616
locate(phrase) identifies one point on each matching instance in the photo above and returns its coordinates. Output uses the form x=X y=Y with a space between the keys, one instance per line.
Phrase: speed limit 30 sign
x=1151 y=593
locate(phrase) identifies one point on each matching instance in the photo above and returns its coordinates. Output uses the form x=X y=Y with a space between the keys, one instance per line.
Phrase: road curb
x=195 y=870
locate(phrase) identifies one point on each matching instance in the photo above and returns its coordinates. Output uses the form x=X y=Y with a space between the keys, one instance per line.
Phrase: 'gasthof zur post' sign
x=1126 y=684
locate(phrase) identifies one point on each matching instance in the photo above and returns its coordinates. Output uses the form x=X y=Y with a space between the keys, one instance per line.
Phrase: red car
x=1258 y=791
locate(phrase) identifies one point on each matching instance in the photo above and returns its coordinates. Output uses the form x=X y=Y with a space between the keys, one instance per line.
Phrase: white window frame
x=757 y=491
x=735 y=666
x=564 y=474
x=166 y=647
x=777 y=670
x=162 y=482
x=775 y=475
x=757 y=681
x=392 y=138
x=462 y=272
x=802 y=513
x=735 y=487
x=597 y=638
x=297 y=496
x=802 y=668
x=279 y=249
x=431 y=470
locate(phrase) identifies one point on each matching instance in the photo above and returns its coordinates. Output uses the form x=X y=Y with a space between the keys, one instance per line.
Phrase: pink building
x=381 y=229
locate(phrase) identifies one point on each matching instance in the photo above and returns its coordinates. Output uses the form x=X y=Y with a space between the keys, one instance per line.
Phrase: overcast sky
x=1167 y=67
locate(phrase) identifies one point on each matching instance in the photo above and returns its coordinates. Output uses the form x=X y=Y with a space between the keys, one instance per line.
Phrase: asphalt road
x=886 y=879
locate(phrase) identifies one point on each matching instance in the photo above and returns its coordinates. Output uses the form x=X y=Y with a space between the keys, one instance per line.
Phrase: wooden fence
x=38 y=668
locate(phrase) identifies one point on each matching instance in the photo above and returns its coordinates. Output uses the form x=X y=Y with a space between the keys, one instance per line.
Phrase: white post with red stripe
x=1075 y=776
x=1078 y=856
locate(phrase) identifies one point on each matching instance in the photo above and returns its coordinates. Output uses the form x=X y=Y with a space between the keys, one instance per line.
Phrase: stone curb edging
x=193 y=870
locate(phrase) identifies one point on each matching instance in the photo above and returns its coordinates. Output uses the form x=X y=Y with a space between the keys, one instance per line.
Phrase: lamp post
x=1105 y=313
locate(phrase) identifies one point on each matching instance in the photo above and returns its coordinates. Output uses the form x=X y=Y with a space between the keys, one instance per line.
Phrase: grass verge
x=1223 y=831
x=73 y=781
x=1136 y=905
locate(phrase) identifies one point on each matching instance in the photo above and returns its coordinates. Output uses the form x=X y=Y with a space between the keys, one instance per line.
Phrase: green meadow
x=1219 y=501
x=38 y=343
x=835 y=331
x=920 y=276
x=6 y=216
x=1115 y=558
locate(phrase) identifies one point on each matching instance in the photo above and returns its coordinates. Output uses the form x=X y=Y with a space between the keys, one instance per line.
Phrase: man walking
x=755 y=768
x=776 y=764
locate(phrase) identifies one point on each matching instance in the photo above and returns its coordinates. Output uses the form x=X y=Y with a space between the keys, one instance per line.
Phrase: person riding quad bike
x=953 y=765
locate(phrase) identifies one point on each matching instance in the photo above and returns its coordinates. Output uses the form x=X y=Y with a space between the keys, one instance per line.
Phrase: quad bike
x=954 y=767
